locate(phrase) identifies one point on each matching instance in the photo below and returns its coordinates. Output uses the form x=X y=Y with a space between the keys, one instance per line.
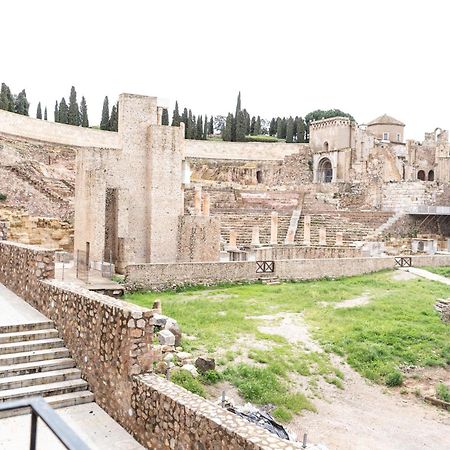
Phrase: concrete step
x=27 y=327
x=29 y=346
x=33 y=379
x=56 y=401
x=21 y=336
x=36 y=367
x=44 y=390
x=37 y=355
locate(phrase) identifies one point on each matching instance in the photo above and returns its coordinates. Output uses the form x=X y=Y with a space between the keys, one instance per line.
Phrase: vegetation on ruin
x=397 y=328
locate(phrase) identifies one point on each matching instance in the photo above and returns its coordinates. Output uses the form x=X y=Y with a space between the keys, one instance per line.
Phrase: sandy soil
x=367 y=416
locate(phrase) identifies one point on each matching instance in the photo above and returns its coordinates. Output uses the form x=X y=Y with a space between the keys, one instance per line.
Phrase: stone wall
x=111 y=342
x=49 y=232
x=303 y=252
x=264 y=151
x=43 y=130
x=198 y=238
x=167 y=276
x=170 y=417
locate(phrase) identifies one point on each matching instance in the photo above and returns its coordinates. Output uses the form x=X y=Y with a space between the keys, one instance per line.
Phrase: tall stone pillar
x=255 y=235
x=322 y=236
x=206 y=204
x=339 y=238
x=307 y=230
x=198 y=201
x=274 y=228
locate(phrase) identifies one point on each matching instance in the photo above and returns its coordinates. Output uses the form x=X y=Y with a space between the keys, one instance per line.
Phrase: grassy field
x=444 y=271
x=397 y=327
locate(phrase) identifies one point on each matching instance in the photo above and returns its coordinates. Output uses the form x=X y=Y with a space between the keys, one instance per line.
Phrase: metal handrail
x=40 y=408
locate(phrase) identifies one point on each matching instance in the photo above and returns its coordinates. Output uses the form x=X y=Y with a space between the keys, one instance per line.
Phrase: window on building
x=385 y=136
x=398 y=137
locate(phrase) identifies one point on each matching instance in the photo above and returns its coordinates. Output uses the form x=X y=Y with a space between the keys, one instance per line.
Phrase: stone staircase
x=34 y=362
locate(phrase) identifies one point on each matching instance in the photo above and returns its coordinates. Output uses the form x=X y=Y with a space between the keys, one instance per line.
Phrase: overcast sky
x=287 y=57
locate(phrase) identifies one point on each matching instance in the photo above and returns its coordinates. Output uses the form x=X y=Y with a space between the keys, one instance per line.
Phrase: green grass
x=444 y=271
x=398 y=327
x=443 y=392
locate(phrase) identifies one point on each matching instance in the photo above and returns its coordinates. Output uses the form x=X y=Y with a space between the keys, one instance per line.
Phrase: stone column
x=274 y=228
x=233 y=239
x=339 y=238
x=205 y=204
x=198 y=201
x=255 y=235
x=307 y=230
x=322 y=236
x=290 y=237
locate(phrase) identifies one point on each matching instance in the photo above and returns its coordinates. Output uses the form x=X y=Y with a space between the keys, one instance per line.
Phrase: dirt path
x=365 y=416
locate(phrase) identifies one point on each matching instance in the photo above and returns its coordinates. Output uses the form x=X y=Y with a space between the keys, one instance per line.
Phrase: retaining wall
x=166 y=276
x=250 y=151
x=111 y=342
x=43 y=130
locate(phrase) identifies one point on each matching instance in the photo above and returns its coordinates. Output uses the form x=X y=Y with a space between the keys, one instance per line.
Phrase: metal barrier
x=403 y=261
x=265 y=266
x=40 y=408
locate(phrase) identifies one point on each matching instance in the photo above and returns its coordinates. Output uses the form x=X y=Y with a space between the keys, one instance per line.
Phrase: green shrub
x=211 y=377
x=394 y=379
x=185 y=379
x=443 y=392
x=262 y=138
x=2 y=197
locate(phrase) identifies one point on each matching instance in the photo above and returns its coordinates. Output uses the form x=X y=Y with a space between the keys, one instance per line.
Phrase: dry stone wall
x=169 y=276
x=111 y=342
x=170 y=417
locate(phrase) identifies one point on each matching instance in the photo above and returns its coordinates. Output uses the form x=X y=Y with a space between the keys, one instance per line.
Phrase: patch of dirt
x=423 y=380
x=368 y=416
x=231 y=393
x=353 y=302
x=403 y=275
x=291 y=326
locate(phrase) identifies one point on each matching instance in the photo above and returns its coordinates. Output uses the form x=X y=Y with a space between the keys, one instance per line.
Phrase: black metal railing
x=403 y=261
x=265 y=266
x=41 y=409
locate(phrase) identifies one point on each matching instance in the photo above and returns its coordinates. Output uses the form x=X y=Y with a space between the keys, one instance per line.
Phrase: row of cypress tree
x=290 y=129
x=196 y=127
x=14 y=103
x=72 y=113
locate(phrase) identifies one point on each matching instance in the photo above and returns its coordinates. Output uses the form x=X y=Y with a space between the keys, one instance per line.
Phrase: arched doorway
x=325 y=171
x=431 y=175
x=421 y=175
x=259 y=176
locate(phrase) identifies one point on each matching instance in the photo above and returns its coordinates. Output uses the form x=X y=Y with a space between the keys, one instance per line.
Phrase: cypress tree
x=279 y=128
x=6 y=99
x=290 y=130
x=190 y=126
x=240 y=127
x=39 y=111
x=56 y=113
x=63 y=111
x=165 y=117
x=247 y=121
x=184 y=118
x=45 y=113
x=258 y=126
x=84 y=120
x=228 y=129
x=205 y=128
x=301 y=130
x=114 y=119
x=74 y=110
x=104 y=123
x=252 y=126
x=199 y=130
x=21 y=104
x=283 y=128
x=211 y=126
x=273 y=127
x=176 y=119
